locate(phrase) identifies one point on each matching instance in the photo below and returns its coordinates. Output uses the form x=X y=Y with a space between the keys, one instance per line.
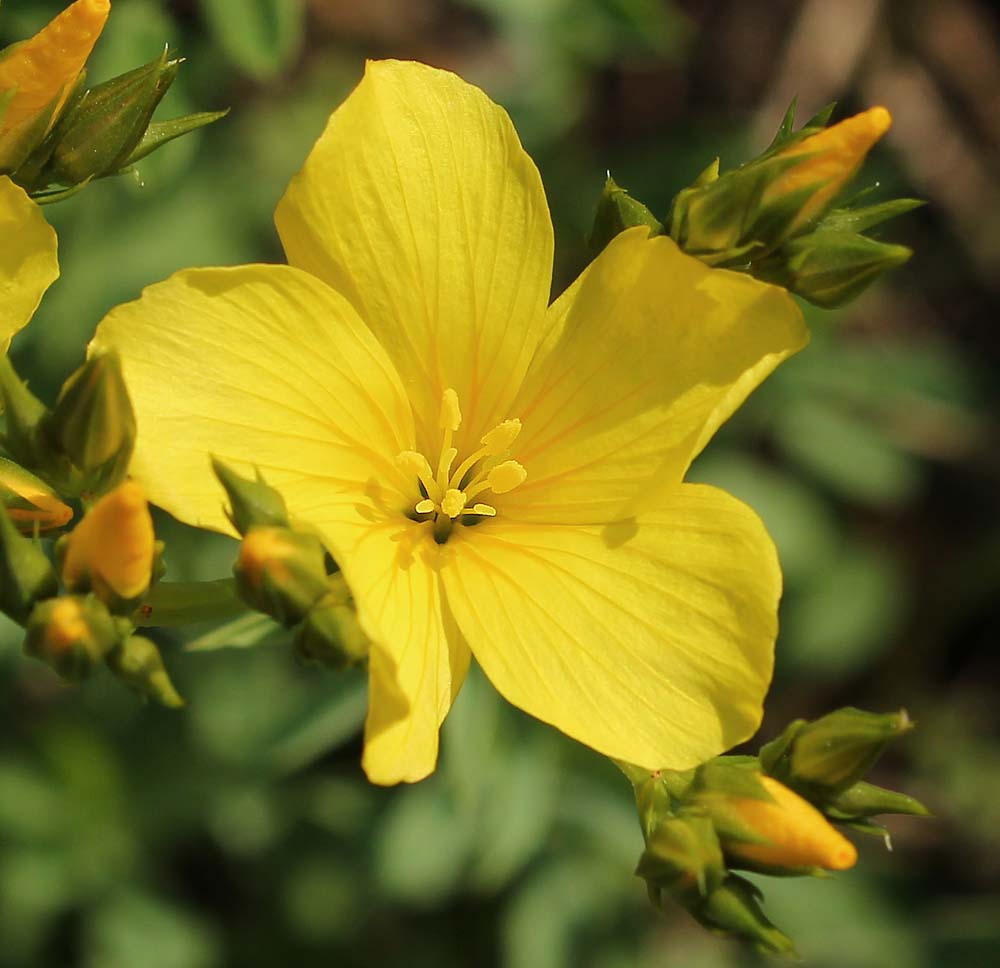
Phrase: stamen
x=416 y=464
x=506 y=476
x=453 y=503
x=426 y=506
x=484 y=509
x=501 y=437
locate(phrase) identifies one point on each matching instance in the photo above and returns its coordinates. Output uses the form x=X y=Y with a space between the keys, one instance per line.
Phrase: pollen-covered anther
x=499 y=439
x=451 y=415
x=453 y=503
x=506 y=476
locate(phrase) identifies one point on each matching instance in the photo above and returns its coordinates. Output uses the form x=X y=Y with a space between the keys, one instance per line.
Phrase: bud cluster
x=773 y=813
x=286 y=573
x=76 y=603
x=774 y=217
x=56 y=133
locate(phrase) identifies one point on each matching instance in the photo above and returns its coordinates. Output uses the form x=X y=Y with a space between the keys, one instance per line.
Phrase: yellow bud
x=797 y=834
x=30 y=502
x=834 y=155
x=44 y=68
x=111 y=550
x=72 y=634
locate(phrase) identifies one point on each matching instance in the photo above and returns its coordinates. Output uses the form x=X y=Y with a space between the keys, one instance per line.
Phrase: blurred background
x=241 y=831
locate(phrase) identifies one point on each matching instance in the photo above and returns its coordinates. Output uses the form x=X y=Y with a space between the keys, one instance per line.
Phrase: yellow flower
x=490 y=473
x=830 y=159
x=28 y=264
x=38 y=74
x=111 y=550
x=797 y=834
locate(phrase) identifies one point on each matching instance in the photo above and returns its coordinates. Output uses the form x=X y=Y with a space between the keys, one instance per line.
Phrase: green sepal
x=683 y=857
x=252 y=503
x=138 y=663
x=26 y=574
x=849 y=219
x=617 y=211
x=160 y=133
x=24 y=414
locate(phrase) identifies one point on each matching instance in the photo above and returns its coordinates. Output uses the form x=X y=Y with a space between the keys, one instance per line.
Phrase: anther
x=501 y=437
x=453 y=503
x=451 y=415
x=506 y=476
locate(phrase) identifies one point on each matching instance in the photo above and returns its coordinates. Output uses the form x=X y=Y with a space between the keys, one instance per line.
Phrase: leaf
x=261 y=36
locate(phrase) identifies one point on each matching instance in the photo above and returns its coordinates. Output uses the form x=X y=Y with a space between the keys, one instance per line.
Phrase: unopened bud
x=252 y=503
x=138 y=662
x=24 y=413
x=281 y=573
x=733 y=910
x=617 y=211
x=26 y=574
x=830 y=268
x=862 y=800
x=788 y=833
x=72 y=634
x=93 y=423
x=111 y=551
x=683 y=857
x=330 y=634
x=30 y=502
x=102 y=129
x=830 y=754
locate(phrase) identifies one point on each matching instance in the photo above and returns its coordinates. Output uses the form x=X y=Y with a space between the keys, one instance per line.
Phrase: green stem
x=173 y=603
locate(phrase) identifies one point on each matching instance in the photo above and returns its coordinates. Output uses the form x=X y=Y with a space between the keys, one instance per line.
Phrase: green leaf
x=262 y=37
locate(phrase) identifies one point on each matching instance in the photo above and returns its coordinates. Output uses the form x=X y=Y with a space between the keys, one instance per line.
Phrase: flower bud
x=137 y=661
x=93 y=423
x=72 y=634
x=330 y=635
x=24 y=413
x=251 y=503
x=30 y=502
x=862 y=800
x=98 y=134
x=732 y=909
x=281 y=573
x=830 y=268
x=42 y=72
x=617 y=211
x=111 y=551
x=683 y=857
x=786 y=833
x=26 y=574
x=826 y=756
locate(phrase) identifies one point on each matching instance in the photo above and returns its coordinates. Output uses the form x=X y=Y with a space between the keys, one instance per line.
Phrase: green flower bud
x=683 y=857
x=281 y=573
x=137 y=661
x=862 y=800
x=330 y=635
x=26 y=574
x=252 y=503
x=830 y=268
x=93 y=423
x=617 y=211
x=733 y=909
x=24 y=413
x=72 y=634
x=827 y=756
x=96 y=136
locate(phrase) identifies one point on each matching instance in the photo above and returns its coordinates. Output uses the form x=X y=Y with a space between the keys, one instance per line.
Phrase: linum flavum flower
x=38 y=75
x=494 y=477
x=28 y=264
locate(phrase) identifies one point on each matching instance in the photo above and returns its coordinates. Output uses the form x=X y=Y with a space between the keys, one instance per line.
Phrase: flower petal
x=28 y=264
x=650 y=640
x=418 y=658
x=420 y=206
x=648 y=353
x=261 y=366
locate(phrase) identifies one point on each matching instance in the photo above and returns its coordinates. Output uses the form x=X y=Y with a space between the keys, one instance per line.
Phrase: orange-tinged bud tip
x=265 y=549
x=112 y=548
x=798 y=834
x=67 y=625
x=44 y=67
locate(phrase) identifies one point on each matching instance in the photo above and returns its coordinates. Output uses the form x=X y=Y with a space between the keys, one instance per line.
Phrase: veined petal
x=419 y=204
x=418 y=658
x=648 y=353
x=650 y=640
x=260 y=366
x=28 y=264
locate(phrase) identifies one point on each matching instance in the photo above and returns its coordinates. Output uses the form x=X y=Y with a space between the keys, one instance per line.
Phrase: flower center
x=447 y=492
